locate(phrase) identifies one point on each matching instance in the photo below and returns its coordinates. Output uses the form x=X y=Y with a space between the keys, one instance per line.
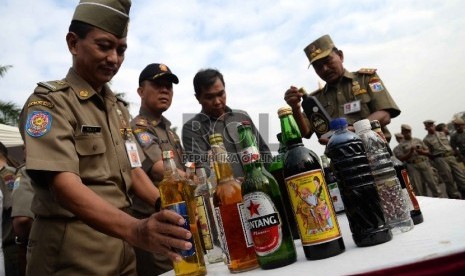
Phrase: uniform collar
x=147 y=115
x=83 y=90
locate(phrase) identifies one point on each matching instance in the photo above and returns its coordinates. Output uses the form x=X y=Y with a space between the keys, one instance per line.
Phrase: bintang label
x=312 y=206
x=264 y=223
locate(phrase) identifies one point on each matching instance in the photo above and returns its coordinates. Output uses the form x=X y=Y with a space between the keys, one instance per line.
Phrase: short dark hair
x=205 y=78
x=80 y=28
x=440 y=127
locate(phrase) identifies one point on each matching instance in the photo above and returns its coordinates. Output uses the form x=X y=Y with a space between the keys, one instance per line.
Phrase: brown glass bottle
x=227 y=200
x=318 y=226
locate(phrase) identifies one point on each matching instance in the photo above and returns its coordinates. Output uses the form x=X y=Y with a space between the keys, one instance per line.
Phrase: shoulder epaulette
x=367 y=71
x=51 y=86
x=315 y=92
x=141 y=122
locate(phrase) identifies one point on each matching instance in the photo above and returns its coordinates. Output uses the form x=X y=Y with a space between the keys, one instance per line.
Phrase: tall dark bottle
x=318 y=226
x=402 y=175
x=357 y=185
x=276 y=169
x=265 y=211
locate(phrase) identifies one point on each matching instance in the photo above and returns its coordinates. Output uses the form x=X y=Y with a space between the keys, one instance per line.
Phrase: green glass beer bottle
x=265 y=211
x=318 y=226
x=276 y=169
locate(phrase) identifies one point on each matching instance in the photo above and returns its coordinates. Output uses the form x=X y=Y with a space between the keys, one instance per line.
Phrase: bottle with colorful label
x=318 y=226
x=175 y=195
x=265 y=211
x=231 y=213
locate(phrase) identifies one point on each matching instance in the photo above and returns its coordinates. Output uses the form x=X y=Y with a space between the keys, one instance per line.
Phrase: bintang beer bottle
x=176 y=196
x=318 y=226
x=266 y=215
x=230 y=212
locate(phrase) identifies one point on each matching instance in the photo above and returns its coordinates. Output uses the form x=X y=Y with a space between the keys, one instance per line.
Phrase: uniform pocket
x=93 y=163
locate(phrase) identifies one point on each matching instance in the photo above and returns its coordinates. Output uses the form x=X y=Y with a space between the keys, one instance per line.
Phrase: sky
x=416 y=47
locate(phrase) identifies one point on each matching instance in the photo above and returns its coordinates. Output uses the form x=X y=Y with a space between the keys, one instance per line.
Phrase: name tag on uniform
x=352 y=107
x=133 y=154
x=90 y=129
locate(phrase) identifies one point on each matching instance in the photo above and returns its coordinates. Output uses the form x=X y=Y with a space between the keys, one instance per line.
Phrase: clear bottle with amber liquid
x=318 y=226
x=176 y=195
x=265 y=212
x=230 y=212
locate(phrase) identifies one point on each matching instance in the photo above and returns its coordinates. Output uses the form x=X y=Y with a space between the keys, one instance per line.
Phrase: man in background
x=353 y=95
x=217 y=117
x=154 y=135
x=457 y=140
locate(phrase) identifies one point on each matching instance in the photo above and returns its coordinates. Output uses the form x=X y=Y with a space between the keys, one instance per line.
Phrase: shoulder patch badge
x=376 y=85
x=145 y=138
x=40 y=102
x=367 y=71
x=38 y=123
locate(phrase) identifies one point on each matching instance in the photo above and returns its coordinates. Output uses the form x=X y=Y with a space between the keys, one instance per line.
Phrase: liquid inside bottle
x=361 y=200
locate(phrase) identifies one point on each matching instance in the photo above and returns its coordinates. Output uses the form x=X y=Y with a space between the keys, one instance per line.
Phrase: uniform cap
x=157 y=70
x=399 y=135
x=319 y=48
x=406 y=127
x=428 y=122
x=109 y=15
x=458 y=121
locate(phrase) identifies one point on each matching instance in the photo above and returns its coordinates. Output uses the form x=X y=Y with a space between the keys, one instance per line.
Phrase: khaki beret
x=428 y=122
x=406 y=127
x=109 y=15
x=319 y=48
x=399 y=135
x=458 y=121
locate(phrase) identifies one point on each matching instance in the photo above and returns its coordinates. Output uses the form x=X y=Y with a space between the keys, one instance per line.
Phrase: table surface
x=440 y=234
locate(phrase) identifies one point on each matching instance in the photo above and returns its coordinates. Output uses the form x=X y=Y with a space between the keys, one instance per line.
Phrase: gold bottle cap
x=215 y=138
x=286 y=110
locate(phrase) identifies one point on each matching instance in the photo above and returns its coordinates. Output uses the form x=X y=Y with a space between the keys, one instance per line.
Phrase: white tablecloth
x=442 y=233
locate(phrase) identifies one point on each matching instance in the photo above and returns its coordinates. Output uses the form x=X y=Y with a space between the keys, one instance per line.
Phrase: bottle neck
x=222 y=168
x=250 y=155
x=170 y=169
x=290 y=131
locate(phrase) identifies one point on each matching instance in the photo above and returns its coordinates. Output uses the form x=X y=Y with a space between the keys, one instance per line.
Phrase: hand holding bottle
x=163 y=233
x=293 y=97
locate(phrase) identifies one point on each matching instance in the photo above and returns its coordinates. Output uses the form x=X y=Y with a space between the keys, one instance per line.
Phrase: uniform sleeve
x=380 y=97
x=49 y=135
x=22 y=196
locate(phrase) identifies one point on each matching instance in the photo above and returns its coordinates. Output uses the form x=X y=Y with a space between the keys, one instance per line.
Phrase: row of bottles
x=252 y=224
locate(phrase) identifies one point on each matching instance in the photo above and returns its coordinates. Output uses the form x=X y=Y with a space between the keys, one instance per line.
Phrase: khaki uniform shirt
x=363 y=85
x=457 y=141
x=404 y=148
x=438 y=144
x=154 y=137
x=7 y=180
x=69 y=127
x=22 y=195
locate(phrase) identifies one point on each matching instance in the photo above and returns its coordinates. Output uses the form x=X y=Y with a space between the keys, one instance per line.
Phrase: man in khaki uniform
x=22 y=214
x=457 y=140
x=443 y=157
x=78 y=140
x=153 y=132
x=353 y=95
x=415 y=153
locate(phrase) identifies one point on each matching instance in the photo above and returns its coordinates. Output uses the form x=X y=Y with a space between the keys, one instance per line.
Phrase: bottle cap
x=215 y=138
x=286 y=110
x=167 y=155
x=362 y=125
x=338 y=123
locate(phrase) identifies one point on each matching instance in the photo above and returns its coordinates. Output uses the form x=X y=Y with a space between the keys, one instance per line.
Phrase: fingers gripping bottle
x=176 y=195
